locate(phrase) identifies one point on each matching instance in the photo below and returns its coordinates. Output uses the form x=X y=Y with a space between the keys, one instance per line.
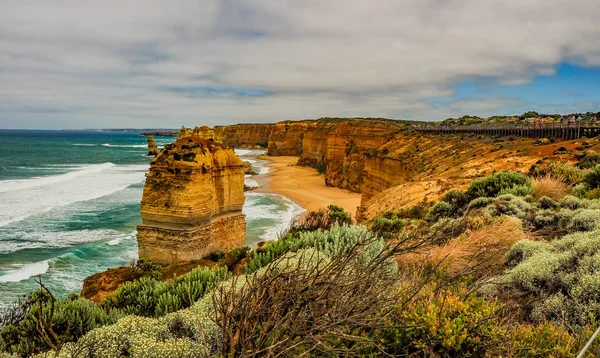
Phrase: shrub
x=320 y=307
x=508 y=205
x=413 y=212
x=337 y=239
x=456 y=198
x=448 y=322
x=382 y=224
x=494 y=184
x=564 y=276
x=592 y=179
x=560 y=171
x=585 y=220
x=547 y=203
x=69 y=320
x=150 y=297
x=548 y=186
x=439 y=210
x=588 y=160
x=517 y=190
x=571 y=202
x=479 y=253
x=479 y=203
x=322 y=219
x=592 y=194
x=548 y=340
x=187 y=333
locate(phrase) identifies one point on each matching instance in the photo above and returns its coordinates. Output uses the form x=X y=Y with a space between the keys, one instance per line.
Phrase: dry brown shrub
x=549 y=186
x=480 y=252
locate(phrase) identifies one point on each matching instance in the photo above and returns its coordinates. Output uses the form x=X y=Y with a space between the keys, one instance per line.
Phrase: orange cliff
x=413 y=167
x=244 y=135
x=286 y=138
x=192 y=202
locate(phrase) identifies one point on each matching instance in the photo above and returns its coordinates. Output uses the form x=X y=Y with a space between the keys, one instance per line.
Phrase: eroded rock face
x=192 y=202
x=286 y=138
x=244 y=135
x=152 y=148
x=347 y=145
x=203 y=132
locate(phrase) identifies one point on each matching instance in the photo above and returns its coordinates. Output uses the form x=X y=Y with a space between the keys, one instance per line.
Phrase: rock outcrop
x=152 y=148
x=192 y=202
x=251 y=136
x=248 y=168
x=203 y=132
x=414 y=167
x=286 y=138
x=347 y=145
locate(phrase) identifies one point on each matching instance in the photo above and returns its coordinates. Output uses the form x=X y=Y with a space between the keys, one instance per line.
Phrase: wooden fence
x=538 y=130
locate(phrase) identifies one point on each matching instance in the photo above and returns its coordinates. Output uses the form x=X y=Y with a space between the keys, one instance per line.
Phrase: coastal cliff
x=249 y=136
x=192 y=202
x=413 y=167
x=286 y=138
x=346 y=147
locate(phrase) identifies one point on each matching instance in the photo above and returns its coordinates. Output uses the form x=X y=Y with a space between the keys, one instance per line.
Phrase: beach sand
x=304 y=186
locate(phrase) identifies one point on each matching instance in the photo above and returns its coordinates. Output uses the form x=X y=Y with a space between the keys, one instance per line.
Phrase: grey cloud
x=92 y=63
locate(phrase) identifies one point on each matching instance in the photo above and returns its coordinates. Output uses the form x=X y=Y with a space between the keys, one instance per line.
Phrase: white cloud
x=118 y=63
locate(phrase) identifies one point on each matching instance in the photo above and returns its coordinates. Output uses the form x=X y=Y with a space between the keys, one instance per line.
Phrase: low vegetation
x=508 y=267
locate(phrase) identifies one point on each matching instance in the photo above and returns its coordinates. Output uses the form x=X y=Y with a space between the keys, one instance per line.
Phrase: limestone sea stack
x=152 y=148
x=192 y=202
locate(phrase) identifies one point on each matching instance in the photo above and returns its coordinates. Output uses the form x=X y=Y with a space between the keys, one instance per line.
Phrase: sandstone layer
x=250 y=136
x=414 y=167
x=192 y=202
x=203 y=132
x=286 y=138
x=152 y=148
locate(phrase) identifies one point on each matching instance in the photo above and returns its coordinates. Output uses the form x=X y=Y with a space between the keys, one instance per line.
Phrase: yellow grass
x=480 y=252
x=549 y=186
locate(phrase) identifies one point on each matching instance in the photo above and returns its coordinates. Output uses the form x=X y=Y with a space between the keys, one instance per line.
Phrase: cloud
x=114 y=63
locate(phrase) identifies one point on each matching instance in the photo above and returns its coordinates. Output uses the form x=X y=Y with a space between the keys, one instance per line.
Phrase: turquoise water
x=69 y=206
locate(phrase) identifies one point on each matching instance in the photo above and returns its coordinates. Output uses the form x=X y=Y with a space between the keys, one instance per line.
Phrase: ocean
x=70 y=204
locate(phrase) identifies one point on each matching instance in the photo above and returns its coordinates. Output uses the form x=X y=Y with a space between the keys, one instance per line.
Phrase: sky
x=163 y=64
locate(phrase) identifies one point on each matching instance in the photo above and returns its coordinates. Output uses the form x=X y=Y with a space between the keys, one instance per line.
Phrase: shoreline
x=303 y=185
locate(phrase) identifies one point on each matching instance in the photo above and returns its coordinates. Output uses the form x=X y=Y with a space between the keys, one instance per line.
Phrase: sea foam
x=25 y=271
x=20 y=199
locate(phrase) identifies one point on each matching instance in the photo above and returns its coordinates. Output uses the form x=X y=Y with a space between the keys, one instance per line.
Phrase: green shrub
x=585 y=220
x=494 y=184
x=517 y=190
x=588 y=160
x=150 y=297
x=563 y=274
x=339 y=215
x=340 y=238
x=571 y=202
x=561 y=171
x=508 y=205
x=186 y=333
x=70 y=320
x=479 y=203
x=450 y=322
x=548 y=340
x=547 y=203
x=455 y=198
x=592 y=179
x=382 y=224
x=439 y=210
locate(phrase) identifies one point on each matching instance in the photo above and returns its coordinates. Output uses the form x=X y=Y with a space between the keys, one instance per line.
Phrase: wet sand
x=304 y=186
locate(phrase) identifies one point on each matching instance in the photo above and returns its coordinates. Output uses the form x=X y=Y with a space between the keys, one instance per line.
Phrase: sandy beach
x=304 y=186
